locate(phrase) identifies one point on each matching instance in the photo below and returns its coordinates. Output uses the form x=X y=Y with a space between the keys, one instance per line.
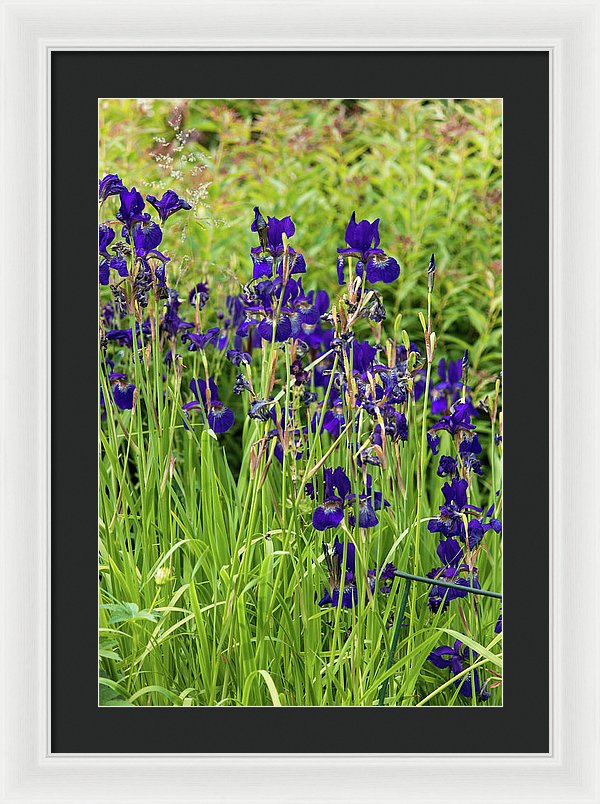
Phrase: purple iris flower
x=450 y=553
x=394 y=384
x=450 y=521
x=262 y=265
x=111 y=184
x=442 y=595
x=237 y=357
x=455 y=494
x=220 y=419
x=235 y=308
x=105 y=237
x=396 y=426
x=270 y=252
x=475 y=532
x=337 y=490
x=118 y=262
x=342 y=577
x=304 y=314
x=362 y=239
x=433 y=442
x=472 y=464
x=147 y=236
x=301 y=377
x=498 y=626
x=494 y=524
x=168 y=205
x=298 y=312
x=448 y=466
x=320 y=301
x=199 y=341
x=469 y=444
x=124 y=337
x=457 y=658
x=283 y=328
x=477 y=528
x=382 y=268
x=171 y=323
x=368 y=503
x=367 y=518
x=104 y=272
x=123 y=390
x=449 y=387
x=333 y=420
x=338 y=497
x=131 y=209
x=458 y=421
x=362 y=354
x=107 y=314
x=387 y=574
x=199 y=294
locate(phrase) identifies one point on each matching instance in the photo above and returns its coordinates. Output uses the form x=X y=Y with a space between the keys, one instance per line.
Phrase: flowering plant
x=268 y=454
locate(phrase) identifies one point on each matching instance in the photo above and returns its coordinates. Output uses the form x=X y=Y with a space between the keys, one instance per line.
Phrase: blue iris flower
x=457 y=658
x=268 y=257
x=451 y=555
x=168 y=205
x=132 y=206
x=220 y=418
x=123 y=390
x=337 y=490
x=198 y=341
x=362 y=240
x=111 y=184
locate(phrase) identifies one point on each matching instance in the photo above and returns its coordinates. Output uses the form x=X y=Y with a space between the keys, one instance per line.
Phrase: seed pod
x=261 y=228
x=431 y=274
x=308 y=397
x=374 y=310
x=465 y=367
x=119 y=299
x=301 y=348
x=260 y=409
x=241 y=384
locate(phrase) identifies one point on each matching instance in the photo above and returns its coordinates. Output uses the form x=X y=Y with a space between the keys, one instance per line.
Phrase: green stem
x=395 y=637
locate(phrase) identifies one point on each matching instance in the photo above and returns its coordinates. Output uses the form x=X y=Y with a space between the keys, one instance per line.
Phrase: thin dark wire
x=448 y=584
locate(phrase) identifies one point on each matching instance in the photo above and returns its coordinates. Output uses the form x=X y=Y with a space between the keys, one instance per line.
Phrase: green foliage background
x=430 y=169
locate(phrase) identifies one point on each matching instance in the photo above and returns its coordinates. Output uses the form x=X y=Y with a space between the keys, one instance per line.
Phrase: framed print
x=344 y=299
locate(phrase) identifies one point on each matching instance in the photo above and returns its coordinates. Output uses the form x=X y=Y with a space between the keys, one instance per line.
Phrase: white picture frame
x=569 y=31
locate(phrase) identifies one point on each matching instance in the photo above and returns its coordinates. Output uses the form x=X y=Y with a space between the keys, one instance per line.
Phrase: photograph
x=300 y=427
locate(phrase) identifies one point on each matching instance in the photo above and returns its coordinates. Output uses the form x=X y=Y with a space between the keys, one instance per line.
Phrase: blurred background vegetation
x=430 y=169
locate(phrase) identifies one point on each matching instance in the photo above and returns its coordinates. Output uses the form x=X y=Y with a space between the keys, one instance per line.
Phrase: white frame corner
x=570 y=31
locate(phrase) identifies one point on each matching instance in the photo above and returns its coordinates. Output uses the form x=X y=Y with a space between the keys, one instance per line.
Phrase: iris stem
x=396 y=635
